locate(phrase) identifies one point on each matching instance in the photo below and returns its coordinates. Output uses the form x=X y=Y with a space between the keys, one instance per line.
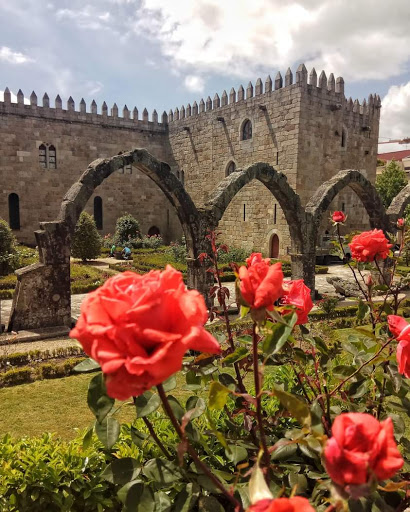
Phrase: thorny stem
x=339 y=386
x=192 y=452
x=258 y=396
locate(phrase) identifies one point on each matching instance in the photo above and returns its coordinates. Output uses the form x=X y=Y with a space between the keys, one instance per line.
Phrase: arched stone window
x=98 y=212
x=14 y=211
x=230 y=168
x=42 y=156
x=246 y=130
x=343 y=142
x=52 y=157
x=154 y=231
x=183 y=177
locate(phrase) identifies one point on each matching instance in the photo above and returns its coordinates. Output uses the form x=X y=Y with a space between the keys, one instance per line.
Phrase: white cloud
x=194 y=83
x=395 y=117
x=86 y=18
x=8 y=55
x=358 y=40
x=93 y=87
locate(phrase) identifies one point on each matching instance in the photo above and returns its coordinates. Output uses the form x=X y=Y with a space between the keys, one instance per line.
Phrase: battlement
x=129 y=119
x=328 y=87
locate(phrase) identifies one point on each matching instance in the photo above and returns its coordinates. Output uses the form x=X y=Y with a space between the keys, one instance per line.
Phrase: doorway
x=274 y=246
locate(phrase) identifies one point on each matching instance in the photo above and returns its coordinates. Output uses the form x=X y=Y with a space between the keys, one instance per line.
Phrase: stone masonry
x=302 y=126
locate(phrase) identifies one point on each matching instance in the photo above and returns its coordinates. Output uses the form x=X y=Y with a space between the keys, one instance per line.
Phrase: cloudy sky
x=164 y=53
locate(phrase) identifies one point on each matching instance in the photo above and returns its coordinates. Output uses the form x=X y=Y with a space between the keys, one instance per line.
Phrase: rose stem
x=258 y=395
x=192 y=452
x=154 y=435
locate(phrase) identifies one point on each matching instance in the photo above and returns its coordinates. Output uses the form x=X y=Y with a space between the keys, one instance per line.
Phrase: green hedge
x=24 y=358
x=26 y=374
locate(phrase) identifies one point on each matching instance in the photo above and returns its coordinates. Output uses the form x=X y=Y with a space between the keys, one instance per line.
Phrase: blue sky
x=162 y=53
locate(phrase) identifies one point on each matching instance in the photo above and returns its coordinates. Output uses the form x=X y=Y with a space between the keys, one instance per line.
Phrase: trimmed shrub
x=86 y=240
x=9 y=258
x=126 y=228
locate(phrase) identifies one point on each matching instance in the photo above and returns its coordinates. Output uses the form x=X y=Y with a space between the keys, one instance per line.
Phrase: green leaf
x=319 y=344
x=236 y=453
x=240 y=353
x=108 y=431
x=137 y=497
x=342 y=371
x=88 y=365
x=187 y=498
x=218 y=395
x=195 y=406
x=147 y=403
x=170 y=384
x=209 y=504
x=161 y=471
x=298 y=480
x=296 y=407
x=363 y=310
x=279 y=334
x=244 y=340
x=228 y=381
x=88 y=438
x=358 y=389
x=163 y=502
x=192 y=378
x=137 y=437
x=98 y=401
x=284 y=451
x=122 y=471
x=176 y=407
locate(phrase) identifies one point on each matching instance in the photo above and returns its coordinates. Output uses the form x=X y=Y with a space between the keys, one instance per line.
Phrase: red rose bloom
x=401 y=331
x=370 y=245
x=138 y=329
x=261 y=282
x=360 y=448
x=338 y=217
x=400 y=223
x=296 y=504
x=298 y=294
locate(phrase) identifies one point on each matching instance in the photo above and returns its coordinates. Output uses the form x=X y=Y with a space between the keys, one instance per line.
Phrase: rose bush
x=138 y=329
x=275 y=408
x=361 y=449
x=369 y=246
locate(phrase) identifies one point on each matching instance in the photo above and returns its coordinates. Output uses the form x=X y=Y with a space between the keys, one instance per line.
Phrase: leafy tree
x=126 y=228
x=86 y=242
x=8 y=253
x=390 y=182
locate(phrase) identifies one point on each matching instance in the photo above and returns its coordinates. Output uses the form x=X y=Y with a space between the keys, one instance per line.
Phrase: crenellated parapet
x=329 y=88
x=82 y=114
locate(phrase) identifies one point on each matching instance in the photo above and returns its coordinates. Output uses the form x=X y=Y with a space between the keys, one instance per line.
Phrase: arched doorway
x=153 y=231
x=274 y=246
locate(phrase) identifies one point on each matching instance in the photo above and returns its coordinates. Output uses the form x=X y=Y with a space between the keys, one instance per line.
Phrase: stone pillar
x=303 y=256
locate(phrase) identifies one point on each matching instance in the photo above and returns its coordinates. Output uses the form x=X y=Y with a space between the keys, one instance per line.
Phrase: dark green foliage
x=9 y=258
x=390 y=182
x=126 y=228
x=86 y=242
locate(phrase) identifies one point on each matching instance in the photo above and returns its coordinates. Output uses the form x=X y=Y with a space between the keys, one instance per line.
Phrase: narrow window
x=344 y=137
x=42 y=156
x=244 y=212
x=343 y=207
x=230 y=168
x=178 y=175
x=52 y=157
x=167 y=218
x=277 y=157
x=274 y=214
x=183 y=177
x=98 y=212
x=14 y=211
x=247 y=130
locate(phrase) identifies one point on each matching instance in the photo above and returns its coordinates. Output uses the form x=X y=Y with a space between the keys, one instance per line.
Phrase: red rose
x=360 y=449
x=401 y=331
x=138 y=328
x=261 y=282
x=370 y=245
x=400 y=223
x=298 y=294
x=338 y=217
x=296 y=504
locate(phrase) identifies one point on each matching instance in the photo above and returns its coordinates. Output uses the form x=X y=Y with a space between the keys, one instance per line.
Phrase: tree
x=126 y=228
x=390 y=182
x=8 y=254
x=86 y=242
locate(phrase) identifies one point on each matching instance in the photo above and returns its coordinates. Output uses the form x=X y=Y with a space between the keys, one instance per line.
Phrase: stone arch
x=398 y=205
x=46 y=285
x=367 y=193
x=289 y=201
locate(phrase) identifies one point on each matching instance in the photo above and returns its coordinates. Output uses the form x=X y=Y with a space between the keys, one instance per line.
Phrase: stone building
x=303 y=127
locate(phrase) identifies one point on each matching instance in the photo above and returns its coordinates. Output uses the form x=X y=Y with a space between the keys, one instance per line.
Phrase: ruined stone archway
x=367 y=193
x=398 y=205
x=46 y=285
x=289 y=201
